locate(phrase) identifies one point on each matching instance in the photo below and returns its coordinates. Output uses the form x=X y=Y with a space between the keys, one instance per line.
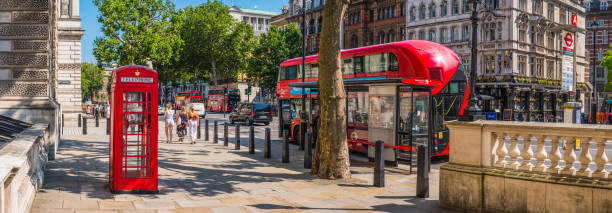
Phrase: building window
x=466 y=6
x=354 y=41
x=551 y=40
x=489 y=64
x=443 y=8
x=245 y=19
x=313 y=45
x=600 y=54
x=537 y=7
x=522 y=5
x=411 y=36
x=422 y=12
x=540 y=37
x=453 y=34
x=443 y=35
x=432 y=10
x=522 y=65
x=604 y=37
x=371 y=15
x=380 y=12
x=532 y=36
x=492 y=4
x=550 y=69
x=587 y=6
x=540 y=67
x=412 y=13
x=381 y=37
x=603 y=5
x=551 y=11
x=563 y=16
x=466 y=33
x=402 y=34
x=371 y=41
x=391 y=36
x=455 y=7
x=421 y=35
x=432 y=35
x=393 y=11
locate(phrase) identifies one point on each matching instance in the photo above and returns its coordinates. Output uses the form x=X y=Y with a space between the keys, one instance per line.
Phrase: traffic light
x=225 y=91
x=249 y=90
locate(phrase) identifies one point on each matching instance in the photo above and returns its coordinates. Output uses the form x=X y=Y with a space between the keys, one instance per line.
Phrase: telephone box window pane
x=137 y=130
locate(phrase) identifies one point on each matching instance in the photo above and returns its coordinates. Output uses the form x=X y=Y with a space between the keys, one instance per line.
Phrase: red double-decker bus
x=219 y=101
x=185 y=98
x=415 y=63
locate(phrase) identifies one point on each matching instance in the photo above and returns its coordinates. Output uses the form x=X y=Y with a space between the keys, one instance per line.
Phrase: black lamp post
x=473 y=111
x=593 y=75
x=303 y=113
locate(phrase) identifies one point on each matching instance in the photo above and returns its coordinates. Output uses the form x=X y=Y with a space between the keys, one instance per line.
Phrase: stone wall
x=69 y=33
x=22 y=170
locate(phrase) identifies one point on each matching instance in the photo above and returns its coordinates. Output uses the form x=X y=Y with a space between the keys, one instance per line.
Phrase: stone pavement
x=209 y=177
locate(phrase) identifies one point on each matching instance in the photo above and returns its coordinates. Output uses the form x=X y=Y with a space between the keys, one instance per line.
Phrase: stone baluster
x=515 y=152
x=569 y=158
x=540 y=154
x=601 y=159
x=555 y=154
x=526 y=154
x=585 y=159
x=502 y=151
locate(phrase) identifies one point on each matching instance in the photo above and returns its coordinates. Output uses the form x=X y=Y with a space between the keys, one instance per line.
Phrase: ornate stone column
x=68 y=56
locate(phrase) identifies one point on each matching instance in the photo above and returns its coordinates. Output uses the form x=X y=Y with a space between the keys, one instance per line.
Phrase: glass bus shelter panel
x=136 y=152
x=413 y=128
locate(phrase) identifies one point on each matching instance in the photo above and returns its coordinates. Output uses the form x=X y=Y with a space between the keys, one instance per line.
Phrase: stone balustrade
x=499 y=166
x=22 y=168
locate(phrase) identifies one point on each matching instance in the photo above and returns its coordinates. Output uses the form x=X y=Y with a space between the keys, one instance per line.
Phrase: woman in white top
x=169 y=118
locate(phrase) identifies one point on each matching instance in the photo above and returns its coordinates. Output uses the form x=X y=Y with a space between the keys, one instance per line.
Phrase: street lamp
x=473 y=111
x=593 y=75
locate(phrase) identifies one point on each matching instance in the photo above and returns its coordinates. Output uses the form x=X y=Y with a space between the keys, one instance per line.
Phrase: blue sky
x=89 y=15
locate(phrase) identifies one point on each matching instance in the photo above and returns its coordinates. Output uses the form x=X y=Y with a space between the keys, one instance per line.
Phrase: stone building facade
x=258 y=19
x=314 y=15
x=68 y=60
x=519 y=58
x=36 y=39
x=370 y=22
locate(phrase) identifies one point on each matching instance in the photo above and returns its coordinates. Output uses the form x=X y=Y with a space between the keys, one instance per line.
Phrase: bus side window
x=347 y=66
x=393 y=63
x=291 y=72
x=454 y=87
x=377 y=62
x=314 y=70
x=358 y=65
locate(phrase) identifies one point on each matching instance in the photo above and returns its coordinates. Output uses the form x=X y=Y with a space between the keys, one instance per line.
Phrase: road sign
x=567 y=63
x=574 y=19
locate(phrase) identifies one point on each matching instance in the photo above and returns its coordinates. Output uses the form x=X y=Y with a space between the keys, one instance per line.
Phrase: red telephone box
x=133 y=135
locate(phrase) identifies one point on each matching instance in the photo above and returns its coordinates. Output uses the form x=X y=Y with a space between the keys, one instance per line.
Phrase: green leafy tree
x=136 y=31
x=213 y=42
x=271 y=50
x=607 y=62
x=92 y=80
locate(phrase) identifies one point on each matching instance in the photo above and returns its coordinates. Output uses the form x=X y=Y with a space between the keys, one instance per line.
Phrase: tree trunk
x=331 y=159
x=214 y=68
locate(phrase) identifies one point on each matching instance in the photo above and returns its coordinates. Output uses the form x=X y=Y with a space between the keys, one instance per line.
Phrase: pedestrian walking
x=193 y=124
x=181 y=124
x=169 y=118
x=108 y=111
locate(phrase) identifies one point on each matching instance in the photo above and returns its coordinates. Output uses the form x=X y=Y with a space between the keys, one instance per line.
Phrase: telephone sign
x=574 y=19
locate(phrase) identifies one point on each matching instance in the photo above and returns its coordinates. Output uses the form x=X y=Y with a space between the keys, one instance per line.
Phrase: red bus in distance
x=415 y=62
x=219 y=102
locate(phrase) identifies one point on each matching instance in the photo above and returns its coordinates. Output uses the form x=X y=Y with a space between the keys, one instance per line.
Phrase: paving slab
x=208 y=177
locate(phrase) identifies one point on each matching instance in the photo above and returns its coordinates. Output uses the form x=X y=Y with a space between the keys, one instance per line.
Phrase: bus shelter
x=396 y=111
x=133 y=134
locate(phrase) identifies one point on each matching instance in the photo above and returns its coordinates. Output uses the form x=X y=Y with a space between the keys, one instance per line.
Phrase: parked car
x=199 y=108
x=160 y=109
x=251 y=113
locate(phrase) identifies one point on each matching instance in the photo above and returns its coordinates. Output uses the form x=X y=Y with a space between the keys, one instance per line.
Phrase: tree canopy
x=136 y=32
x=270 y=51
x=607 y=62
x=92 y=80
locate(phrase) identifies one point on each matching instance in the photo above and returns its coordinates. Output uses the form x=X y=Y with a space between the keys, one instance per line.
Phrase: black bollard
x=225 y=138
x=307 y=151
x=422 y=171
x=199 y=130
x=97 y=121
x=285 y=147
x=84 y=125
x=267 y=144
x=108 y=126
x=215 y=134
x=237 y=137
x=251 y=139
x=379 y=164
x=62 y=123
x=206 y=129
x=79 y=120
x=302 y=135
